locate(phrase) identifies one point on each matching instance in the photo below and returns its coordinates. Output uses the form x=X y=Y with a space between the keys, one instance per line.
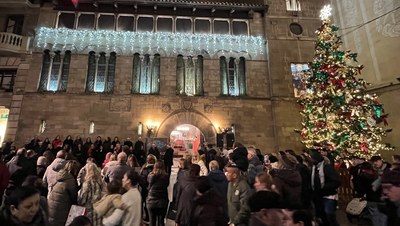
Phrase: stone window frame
x=233 y=76
x=195 y=88
x=146 y=83
x=93 y=76
x=5 y=75
x=54 y=79
x=155 y=17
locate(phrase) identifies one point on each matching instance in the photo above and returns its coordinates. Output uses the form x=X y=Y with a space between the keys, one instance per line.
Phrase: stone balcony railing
x=10 y=42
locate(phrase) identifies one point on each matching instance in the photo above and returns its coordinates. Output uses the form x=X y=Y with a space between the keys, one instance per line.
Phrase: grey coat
x=62 y=196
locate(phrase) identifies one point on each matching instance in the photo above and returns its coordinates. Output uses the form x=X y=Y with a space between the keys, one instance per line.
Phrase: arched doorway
x=192 y=117
x=186 y=138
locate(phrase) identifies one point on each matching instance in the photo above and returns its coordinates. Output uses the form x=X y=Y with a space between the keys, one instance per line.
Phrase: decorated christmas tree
x=338 y=113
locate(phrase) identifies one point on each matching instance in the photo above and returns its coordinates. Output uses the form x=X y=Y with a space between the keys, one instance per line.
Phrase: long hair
x=72 y=167
x=92 y=173
x=159 y=168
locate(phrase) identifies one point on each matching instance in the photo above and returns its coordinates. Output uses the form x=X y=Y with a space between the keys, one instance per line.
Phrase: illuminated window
x=101 y=72
x=189 y=75
x=233 y=76
x=293 y=5
x=146 y=74
x=299 y=78
x=55 y=71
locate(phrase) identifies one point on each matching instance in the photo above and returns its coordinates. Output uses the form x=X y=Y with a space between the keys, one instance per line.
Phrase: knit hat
x=289 y=161
x=391 y=177
x=316 y=156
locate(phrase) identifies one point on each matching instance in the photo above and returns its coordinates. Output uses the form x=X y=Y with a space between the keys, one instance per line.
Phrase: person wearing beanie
x=239 y=157
x=391 y=190
x=381 y=167
x=287 y=180
x=207 y=205
x=324 y=182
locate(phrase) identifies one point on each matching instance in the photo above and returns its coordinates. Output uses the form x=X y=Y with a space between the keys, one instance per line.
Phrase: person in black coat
x=325 y=181
x=157 y=198
x=168 y=159
x=68 y=141
x=185 y=193
x=144 y=184
x=154 y=151
x=139 y=152
x=207 y=205
x=219 y=182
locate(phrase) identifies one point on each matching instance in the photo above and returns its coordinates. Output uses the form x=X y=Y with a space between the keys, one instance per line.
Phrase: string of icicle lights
x=163 y=43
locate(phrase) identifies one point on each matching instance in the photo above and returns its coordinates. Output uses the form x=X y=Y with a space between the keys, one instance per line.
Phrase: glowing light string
x=163 y=43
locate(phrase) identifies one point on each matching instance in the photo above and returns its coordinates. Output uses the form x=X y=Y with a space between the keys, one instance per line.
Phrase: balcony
x=12 y=43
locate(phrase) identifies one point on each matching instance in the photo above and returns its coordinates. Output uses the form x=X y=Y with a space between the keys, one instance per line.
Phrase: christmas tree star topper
x=326 y=12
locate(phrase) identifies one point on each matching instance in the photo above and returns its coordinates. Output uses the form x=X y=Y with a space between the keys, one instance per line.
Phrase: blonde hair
x=159 y=168
x=113 y=157
x=92 y=173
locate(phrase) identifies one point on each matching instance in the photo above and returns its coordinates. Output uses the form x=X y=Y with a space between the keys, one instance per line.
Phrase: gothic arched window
x=233 y=76
x=189 y=75
x=146 y=74
x=101 y=72
x=55 y=71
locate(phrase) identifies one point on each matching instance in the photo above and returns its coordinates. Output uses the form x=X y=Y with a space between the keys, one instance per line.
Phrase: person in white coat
x=131 y=216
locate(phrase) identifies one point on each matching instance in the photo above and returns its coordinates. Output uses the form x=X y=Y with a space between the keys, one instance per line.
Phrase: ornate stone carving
x=187 y=104
x=208 y=108
x=388 y=25
x=166 y=108
x=120 y=104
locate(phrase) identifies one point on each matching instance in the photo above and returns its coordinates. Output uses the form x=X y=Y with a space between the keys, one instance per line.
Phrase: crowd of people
x=124 y=183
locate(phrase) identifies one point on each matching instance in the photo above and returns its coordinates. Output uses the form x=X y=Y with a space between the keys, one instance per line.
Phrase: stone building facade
x=265 y=116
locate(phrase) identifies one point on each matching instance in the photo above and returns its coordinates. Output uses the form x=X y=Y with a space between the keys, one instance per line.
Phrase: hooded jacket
x=288 y=183
x=50 y=176
x=219 y=182
x=61 y=198
x=207 y=210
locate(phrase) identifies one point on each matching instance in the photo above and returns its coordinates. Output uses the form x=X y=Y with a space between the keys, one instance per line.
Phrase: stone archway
x=188 y=117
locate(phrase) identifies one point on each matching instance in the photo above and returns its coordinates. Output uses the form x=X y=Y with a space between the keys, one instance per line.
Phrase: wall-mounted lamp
x=140 y=129
x=91 y=127
x=42 y=126
x=151 y=128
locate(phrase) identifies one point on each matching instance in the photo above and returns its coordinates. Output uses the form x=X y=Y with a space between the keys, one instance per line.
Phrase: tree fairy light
x=337 y=113
x=163 y=43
